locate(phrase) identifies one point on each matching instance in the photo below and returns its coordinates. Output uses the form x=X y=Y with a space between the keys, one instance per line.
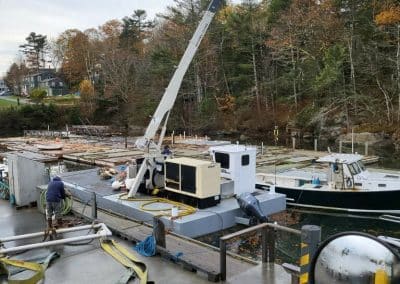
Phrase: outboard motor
x=251 y=206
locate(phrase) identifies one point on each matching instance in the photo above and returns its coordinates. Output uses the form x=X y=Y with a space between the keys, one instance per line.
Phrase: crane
x=163 y=110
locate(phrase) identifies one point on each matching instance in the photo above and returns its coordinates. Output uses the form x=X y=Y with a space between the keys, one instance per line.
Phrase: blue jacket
x=55 y=190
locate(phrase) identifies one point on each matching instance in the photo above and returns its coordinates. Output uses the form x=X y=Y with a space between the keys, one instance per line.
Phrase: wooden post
x=173 y=137
x=222 y=259
x=262 y=148
x=352 y=140
x=271 y=236
x=94 y=205
x=315 y=145
x=184 y=134
x=294 y=143
x=340 y=146
x=159 y=231
x=264 y=245
x=366 y=148
x=310 y=239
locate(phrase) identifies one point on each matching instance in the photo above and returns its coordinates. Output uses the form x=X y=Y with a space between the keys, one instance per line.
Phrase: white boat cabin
x=343 y=172
x=347 y=171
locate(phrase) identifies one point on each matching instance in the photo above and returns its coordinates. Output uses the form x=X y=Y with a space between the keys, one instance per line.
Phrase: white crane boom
x=168 y=100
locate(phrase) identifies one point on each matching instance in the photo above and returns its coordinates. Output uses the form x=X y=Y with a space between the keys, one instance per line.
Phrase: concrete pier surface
x=89 y=263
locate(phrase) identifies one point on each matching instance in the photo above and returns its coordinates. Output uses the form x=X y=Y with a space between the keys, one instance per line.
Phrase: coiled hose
x=183 y=209
x=66 y=204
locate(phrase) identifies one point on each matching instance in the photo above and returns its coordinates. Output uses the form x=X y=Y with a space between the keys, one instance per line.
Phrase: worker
x=54 y=195
x=166 y=151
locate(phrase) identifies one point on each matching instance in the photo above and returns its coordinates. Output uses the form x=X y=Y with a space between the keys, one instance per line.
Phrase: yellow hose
x=184 y=209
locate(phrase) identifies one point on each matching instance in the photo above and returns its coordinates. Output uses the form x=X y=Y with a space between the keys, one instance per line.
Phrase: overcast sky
x=51 y=17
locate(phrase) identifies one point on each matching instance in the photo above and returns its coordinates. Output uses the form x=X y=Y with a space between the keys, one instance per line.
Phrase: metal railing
x=310 y=238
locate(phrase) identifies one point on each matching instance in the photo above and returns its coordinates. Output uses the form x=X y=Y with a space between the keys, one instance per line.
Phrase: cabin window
x=381 y=185
x=223 y=159
x=245 y=160
x=361 y=165
x=354 y=169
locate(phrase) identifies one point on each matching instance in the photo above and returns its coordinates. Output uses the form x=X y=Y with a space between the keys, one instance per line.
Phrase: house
x=3 y=86
x=47 y=79
x=53 y=86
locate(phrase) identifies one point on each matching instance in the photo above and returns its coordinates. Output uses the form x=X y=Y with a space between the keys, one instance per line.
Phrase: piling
x=352 y=140
x=94 y=205
x=315 y=145
x=159 y=231
x=294 y=143
x=366 y=148
x=310 y=238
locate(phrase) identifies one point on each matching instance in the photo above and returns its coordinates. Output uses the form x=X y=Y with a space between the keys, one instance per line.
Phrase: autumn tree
x=15 y=76
x=390 y=19
x=87 y=101
x=78 y=56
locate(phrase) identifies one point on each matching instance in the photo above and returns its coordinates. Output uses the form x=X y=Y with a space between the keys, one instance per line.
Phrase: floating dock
x=82 y=184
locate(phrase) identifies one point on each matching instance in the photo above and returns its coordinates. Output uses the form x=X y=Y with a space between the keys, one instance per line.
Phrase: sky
x=18 y=18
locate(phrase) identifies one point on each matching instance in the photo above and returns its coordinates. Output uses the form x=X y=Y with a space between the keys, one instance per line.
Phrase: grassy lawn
x=4 y=103
x=62 y=100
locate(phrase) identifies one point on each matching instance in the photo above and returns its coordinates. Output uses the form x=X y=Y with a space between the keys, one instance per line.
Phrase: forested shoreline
x=320 y=67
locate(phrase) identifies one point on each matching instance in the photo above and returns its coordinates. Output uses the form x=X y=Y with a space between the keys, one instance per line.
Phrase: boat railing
x=310 y=237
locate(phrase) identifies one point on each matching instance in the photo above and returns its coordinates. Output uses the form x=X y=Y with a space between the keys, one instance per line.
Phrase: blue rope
x=177 y=256
x=146 y=247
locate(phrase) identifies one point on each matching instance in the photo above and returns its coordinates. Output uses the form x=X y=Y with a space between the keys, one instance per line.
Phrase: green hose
x=66 y=204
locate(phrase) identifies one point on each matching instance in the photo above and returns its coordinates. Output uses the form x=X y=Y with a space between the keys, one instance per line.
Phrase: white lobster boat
x=344 y=185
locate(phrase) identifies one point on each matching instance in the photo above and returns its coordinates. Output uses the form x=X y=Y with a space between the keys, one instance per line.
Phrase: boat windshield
x=361 y=165
x=354 y=168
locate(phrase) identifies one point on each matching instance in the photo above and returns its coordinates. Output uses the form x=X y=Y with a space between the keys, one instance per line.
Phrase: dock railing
x=310 y=239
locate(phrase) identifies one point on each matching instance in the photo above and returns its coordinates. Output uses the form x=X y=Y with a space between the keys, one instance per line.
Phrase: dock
x=192 y=255
x=84 y=184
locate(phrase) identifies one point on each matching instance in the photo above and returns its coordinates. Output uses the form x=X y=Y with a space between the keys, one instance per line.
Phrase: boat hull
x=363 y=201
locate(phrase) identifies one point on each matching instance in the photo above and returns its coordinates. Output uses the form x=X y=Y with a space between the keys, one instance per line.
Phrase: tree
x=37 y=95
x=390 y=18
x=135 y=30
x=78 y=56
x=35 y=51
x=15 y=76
x=87 y=101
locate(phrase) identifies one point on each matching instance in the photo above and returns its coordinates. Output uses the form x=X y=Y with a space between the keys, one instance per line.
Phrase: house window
x=39 y=78
x=53 y=84
x=61 y=84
